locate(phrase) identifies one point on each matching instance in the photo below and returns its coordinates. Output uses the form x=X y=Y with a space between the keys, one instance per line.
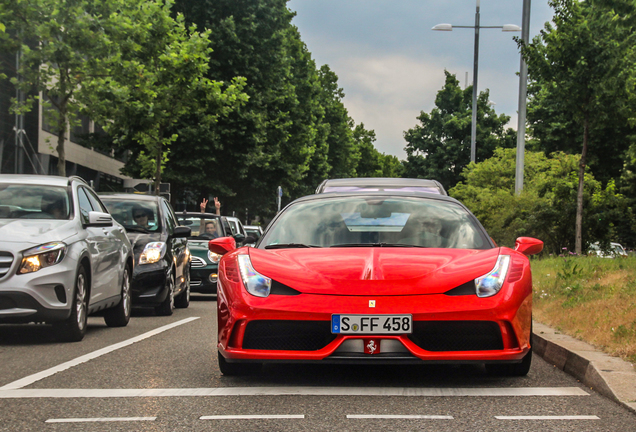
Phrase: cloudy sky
x=391 y=64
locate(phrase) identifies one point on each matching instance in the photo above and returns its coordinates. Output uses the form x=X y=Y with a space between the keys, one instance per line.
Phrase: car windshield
x=253 y=232
x=201 y=227
x=134 y=215
x=33 y=202
x=376 y=221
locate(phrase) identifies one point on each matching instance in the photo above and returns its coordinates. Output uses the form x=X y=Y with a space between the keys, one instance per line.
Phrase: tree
x=59 y=44
x=546 y=208
x=578 y=63
x=372 y=163
x=439 y=147
x=157 y=81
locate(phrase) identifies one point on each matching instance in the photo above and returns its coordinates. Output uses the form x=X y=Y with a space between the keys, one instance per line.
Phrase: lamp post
x=477 y=27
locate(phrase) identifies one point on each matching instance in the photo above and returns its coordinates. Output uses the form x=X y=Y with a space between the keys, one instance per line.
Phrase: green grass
x=590 y=298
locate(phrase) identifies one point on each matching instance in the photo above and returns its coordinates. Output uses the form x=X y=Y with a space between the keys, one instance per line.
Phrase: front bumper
x=148 y=284
x=203 y=280
x=459 y=329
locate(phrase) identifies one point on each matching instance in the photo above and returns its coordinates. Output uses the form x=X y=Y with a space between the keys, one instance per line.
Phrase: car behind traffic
x=62 y=257
x=161 y=277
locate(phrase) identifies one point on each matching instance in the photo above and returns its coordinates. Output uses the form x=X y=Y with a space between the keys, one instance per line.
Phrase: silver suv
x=62 y=256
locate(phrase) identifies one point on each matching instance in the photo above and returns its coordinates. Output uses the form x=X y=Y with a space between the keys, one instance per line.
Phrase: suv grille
x=457 y=335
x=197 y=262
x=6 y=259
x=287 y=335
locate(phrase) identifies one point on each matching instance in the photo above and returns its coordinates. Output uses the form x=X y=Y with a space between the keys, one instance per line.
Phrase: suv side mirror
x=181 y=231
x=528 y=245
x=222 y=245
x=99 y=219
x=239 y=238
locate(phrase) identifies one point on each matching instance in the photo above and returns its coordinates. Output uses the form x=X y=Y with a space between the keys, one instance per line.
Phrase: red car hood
x=373 y=270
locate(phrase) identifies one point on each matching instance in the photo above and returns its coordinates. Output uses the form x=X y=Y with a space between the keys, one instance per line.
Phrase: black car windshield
x=202 y=227
x=142 y=216
x=33 y=202
x=377 y=221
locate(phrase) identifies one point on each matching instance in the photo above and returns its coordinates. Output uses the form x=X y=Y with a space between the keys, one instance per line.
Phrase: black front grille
x=457 y=335
x=287 y=335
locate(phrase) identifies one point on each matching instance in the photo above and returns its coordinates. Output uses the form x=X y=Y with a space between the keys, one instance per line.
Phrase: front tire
x=73 y=328
x=514 y=369
x=119 y=316
x=166 y=308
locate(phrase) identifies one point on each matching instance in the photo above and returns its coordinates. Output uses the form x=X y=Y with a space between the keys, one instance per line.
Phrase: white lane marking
x=293 y=391
x=90 y=356
x=252 y=417
x=396 y=416
x=566 y=417
x=100 y=419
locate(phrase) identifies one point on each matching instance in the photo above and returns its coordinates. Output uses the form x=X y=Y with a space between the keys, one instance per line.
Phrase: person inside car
x=55 y=207
x=208 y=229
x=141 y=216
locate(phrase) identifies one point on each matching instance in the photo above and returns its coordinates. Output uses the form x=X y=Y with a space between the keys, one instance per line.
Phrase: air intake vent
x=516 y=271
x=287 y=335
x=457 y=335
x=197 y=262
x=6 y=259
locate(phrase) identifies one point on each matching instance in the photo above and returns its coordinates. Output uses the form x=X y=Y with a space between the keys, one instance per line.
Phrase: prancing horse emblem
x=371 y=346
x=371 y=303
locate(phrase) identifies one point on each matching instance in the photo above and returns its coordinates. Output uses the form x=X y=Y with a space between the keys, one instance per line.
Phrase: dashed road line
x=100 y=419
x=90 y=356
x=397 y=416
x=294 y=391
x=549 y=417
x=252 y=417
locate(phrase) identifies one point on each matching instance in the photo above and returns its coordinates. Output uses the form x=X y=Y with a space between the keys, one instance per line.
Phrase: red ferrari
x=375 y=277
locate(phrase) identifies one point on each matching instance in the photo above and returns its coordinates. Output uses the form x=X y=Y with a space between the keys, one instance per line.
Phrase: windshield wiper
x=375 y=245
x=290 y=246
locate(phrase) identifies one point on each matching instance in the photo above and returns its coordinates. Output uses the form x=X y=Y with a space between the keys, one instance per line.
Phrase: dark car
x=370 y=184
x=205 y=264
x=161 y=277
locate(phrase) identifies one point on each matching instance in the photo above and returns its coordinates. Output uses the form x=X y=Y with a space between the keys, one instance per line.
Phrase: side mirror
x=528 y=245
x=239 y=238
x=181 y=231
x=222 y=245
x=250 y=240
x=99 y=219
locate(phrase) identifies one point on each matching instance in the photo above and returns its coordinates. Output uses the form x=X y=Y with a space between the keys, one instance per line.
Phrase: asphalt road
x=160 y=374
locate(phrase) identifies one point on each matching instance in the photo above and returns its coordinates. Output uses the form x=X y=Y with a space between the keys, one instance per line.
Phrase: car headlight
x=152 y=253
x=42 y=256
x=213 y=257
x=490 y=283
x=254 y=282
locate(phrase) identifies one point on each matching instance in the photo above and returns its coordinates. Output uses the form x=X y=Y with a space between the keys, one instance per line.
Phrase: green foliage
x=546 y=208
x=577 y=69
x=60 y=43
x=439 y=147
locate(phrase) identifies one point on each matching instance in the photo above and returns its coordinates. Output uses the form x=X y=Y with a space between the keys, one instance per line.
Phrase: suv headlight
x=42 y=256
x=152 y=253
x=254 y=282
x=490 y=283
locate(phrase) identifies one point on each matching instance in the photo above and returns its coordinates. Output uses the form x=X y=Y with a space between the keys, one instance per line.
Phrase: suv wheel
x=74 y=328
x=167 y=306
x=119 y=315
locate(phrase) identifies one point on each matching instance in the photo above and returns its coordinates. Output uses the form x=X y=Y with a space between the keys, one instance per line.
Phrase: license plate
x=371 y=324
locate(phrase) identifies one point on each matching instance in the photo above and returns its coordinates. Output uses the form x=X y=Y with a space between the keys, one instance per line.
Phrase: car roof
x=197 y=214
x=340 y=185
x=387 y=193
x=128 y=196
x=251 y=227
x=36 y=179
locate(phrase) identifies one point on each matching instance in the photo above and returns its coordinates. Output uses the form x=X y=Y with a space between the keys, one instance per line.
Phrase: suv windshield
x=205 y=227
x=376 y=221
x=134 y=215
x=33 y=202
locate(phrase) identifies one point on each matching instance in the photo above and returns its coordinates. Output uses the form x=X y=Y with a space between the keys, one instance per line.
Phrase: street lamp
x=449 y=27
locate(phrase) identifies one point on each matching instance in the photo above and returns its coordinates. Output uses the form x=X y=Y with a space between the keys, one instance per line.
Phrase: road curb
x=610 y=376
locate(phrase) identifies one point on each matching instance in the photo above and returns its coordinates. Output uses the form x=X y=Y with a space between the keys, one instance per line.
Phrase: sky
x=391 y=65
